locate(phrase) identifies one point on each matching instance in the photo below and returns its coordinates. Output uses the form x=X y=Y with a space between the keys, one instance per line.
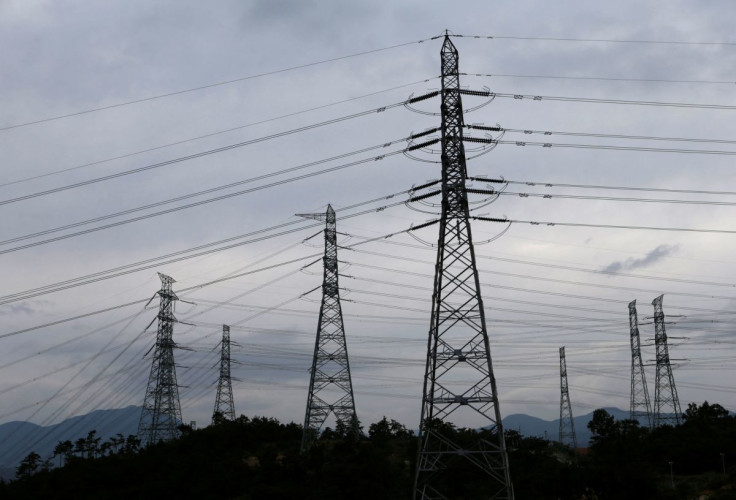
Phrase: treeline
x=258 y=458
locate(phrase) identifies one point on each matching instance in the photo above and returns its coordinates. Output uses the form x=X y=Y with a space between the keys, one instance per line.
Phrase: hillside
x=259 y=458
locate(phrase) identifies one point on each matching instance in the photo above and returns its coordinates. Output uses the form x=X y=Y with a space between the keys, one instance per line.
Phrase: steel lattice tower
x=161 y=413
x=330 y=384
x=665 y=392
x=567 y=424
x=640 y=407
x=224 y=405
x=459 y=385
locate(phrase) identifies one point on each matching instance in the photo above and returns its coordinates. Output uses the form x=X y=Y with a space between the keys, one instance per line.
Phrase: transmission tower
x=665 y=392
x=330 y=384
x=459 y=385
x=224 y=405
x=640 y=407
x=567 y=425
x=161 y=413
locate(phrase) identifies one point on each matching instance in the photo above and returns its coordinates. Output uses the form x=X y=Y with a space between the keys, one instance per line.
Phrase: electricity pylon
x=459 y=385
x=665 y=392
x=330 y=385
x=161 y=413
x=567 y=425
x=640 y=407
x=224 y=405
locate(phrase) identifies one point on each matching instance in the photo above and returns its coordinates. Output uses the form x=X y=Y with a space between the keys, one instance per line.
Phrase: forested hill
x=259 y=458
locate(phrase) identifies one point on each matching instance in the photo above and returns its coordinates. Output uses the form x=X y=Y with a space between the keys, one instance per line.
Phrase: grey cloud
x=652 y=257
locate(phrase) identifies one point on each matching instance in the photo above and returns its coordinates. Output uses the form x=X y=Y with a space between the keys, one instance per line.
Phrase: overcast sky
x=542 y=284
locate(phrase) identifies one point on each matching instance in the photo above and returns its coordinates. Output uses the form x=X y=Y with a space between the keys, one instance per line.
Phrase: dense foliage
x=259 y=458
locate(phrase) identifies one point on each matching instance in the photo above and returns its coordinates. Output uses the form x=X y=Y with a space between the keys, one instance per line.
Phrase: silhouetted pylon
x=567 y=424
x=224 y=405
x=640 y=407
x=330 y=384
x=161 y=413
x=459 y=385
x=666 y=403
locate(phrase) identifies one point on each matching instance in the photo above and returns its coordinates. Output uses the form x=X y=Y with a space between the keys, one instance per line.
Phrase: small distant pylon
x=224 y=405
x=330 y=383
x=161 y=413
x=567 y=425
x=640 y=406
x=665 y=392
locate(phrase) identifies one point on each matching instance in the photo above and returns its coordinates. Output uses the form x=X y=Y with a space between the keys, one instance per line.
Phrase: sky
x=110 y=107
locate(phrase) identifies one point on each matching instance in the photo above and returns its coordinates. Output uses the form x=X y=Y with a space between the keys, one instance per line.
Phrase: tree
x=602 y=425
x=132 y=444
x=704 y=412
x=28 y=466
x=92 y=444
x=62 y=450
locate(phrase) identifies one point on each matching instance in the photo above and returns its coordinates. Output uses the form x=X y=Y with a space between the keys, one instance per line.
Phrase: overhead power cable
x=538 y=277
x=532 y=97
x=201 y=154
x=607 y=136
x=199 y=193
x=212 y=134
x=553 y=266
x=181 y=254
x=613 y=198
x=202 y=285
x=605 y=226
x=211 y=85
x=593 y=40
x=610 y=147
x=621 y=188
x=601 y=78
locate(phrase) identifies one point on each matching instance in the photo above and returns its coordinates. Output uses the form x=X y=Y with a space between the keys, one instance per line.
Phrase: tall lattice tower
x=459 y=385
x=640 y=407
x=567 y=424
x=330 y=384
x=161 y=413
x=224 y=405
x=666 y=403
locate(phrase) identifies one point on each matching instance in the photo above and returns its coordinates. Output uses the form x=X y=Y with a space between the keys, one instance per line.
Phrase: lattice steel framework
x=665 y=392
x=459 y=385
x=224 y=405
x=161 y=413
x=567 y=424
x=640 y=406
x=330 y=384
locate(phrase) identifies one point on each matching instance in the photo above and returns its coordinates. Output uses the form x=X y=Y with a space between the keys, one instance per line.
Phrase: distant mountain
x=18 y=439
x=550 y=429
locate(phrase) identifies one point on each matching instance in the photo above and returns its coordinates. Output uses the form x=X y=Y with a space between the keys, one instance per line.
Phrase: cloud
x=22 y=308
x=652 y=257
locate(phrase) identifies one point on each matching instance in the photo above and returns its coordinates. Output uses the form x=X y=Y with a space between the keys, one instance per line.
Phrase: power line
x=204 y=153
x=594 y=40
x=533 y=97
x=537 y=277
x=179 y=255
x=601 y=78
x=202 y=285
x=550 y=266
x=607 y=226
x=201 y=202
x=218 y=84
x=611 y=136
x=212 y=134
x=622 y=188
x=612 y=198
x=614 y=148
